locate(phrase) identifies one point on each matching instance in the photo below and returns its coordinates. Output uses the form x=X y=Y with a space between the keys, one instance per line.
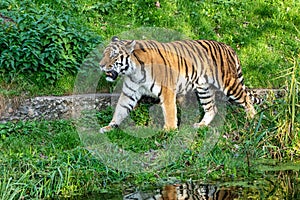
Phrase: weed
x=288 y=123
x=43 y=44
x=263 y=33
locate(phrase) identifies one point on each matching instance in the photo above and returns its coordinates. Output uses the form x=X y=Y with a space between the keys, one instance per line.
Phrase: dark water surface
x=279 y=181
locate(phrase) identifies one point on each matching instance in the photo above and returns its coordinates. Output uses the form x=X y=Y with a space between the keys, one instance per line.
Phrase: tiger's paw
x=170 y=128
x=105 y=129
x=199 y=125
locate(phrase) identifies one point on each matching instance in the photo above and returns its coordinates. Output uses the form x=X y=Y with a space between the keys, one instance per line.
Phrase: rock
x=41 y=108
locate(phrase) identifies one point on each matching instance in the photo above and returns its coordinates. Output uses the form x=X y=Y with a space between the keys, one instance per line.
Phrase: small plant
x=44 y=42
x=140 y=115
x=42 y=45
x=13 y=189
x=288 y=122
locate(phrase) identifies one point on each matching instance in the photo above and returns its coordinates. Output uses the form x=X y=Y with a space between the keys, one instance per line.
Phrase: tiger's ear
x=115 y=39
x=130 y=46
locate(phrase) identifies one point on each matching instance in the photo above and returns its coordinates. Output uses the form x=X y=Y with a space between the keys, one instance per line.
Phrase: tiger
x=168 y=71
x=187 y=191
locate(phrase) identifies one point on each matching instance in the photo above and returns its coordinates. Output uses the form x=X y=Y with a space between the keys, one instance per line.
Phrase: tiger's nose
x=103 y=67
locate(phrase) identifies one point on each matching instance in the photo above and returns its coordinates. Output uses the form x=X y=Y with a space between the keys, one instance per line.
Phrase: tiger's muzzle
x=111 y=75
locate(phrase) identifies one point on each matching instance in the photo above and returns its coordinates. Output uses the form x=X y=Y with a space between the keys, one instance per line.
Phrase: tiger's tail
x=254 y=98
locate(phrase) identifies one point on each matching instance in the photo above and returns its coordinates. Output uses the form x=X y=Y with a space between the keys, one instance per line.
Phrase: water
x=279 y=181
x=280 y=185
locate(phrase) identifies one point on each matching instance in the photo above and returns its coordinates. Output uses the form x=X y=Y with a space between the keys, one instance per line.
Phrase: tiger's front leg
x=125 y=104
x=168 y=104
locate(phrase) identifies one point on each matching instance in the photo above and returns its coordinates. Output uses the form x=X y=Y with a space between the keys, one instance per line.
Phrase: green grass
x=264 y=33
x=49 y=159
x=46 y=159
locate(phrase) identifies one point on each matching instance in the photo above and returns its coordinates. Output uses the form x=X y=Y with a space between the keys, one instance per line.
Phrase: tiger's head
x=117 y=58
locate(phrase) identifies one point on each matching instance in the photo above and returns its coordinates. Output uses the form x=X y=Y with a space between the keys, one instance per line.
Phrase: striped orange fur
x=168 y=70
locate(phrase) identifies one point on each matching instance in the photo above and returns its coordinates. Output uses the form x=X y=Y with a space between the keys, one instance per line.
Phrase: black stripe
x=124 y=69
x=204 y=46
x=221 y=67
x=206 y=109
x=242 y=81
x=127 y=86
x=217 y=74
x=206 y=77
x=193 y=72
x=191 y=54
x=141 y=47
x=202 y=92
x=114 y=125
x=162 y=56
x=129 y=96
x=221 y=50
x=236 y=93
x=152 y=86
x=128 y=109
x=239 y=95
x=179 y=60
x=180 y=87
x=230 y=89
x=200 y=53
x=240 y=75
x=223 y=73
x=205 y=88
x=159 y=92
x=142 y=64
x=226 y=82
x=126 y=65
x=218 y=54
x=127 y=62
x=204 y=97
x=183 y=50
x=212 y=53
x=168 y=50
x=192 y=58
x=186 y=69
x=165 y=64
x=230 y=52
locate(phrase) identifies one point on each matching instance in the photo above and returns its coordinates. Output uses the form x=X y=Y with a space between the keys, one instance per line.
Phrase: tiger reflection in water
x=187 y=191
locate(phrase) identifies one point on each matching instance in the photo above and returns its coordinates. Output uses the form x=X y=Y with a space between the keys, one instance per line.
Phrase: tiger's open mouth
x=111 y=75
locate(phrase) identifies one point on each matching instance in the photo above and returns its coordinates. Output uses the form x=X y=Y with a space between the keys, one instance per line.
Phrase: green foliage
x=45 y=160
x=44 y=42
x=41 y=44
x=140 y=115
x=48 y=40
x=105 y=116
x=288 y=120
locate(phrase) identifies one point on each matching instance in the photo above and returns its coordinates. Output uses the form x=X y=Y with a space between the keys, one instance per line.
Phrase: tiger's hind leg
x=206 y=97
x=241 y=97
x=247 y=104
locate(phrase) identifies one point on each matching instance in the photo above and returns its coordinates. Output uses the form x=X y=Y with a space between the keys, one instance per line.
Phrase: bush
x=40 y=44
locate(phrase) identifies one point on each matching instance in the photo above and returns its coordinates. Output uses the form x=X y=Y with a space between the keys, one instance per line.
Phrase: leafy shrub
x=41 y=44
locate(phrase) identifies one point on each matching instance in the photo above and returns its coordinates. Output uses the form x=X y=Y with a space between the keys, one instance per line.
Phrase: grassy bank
x=60 y=34
x=49 y=159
